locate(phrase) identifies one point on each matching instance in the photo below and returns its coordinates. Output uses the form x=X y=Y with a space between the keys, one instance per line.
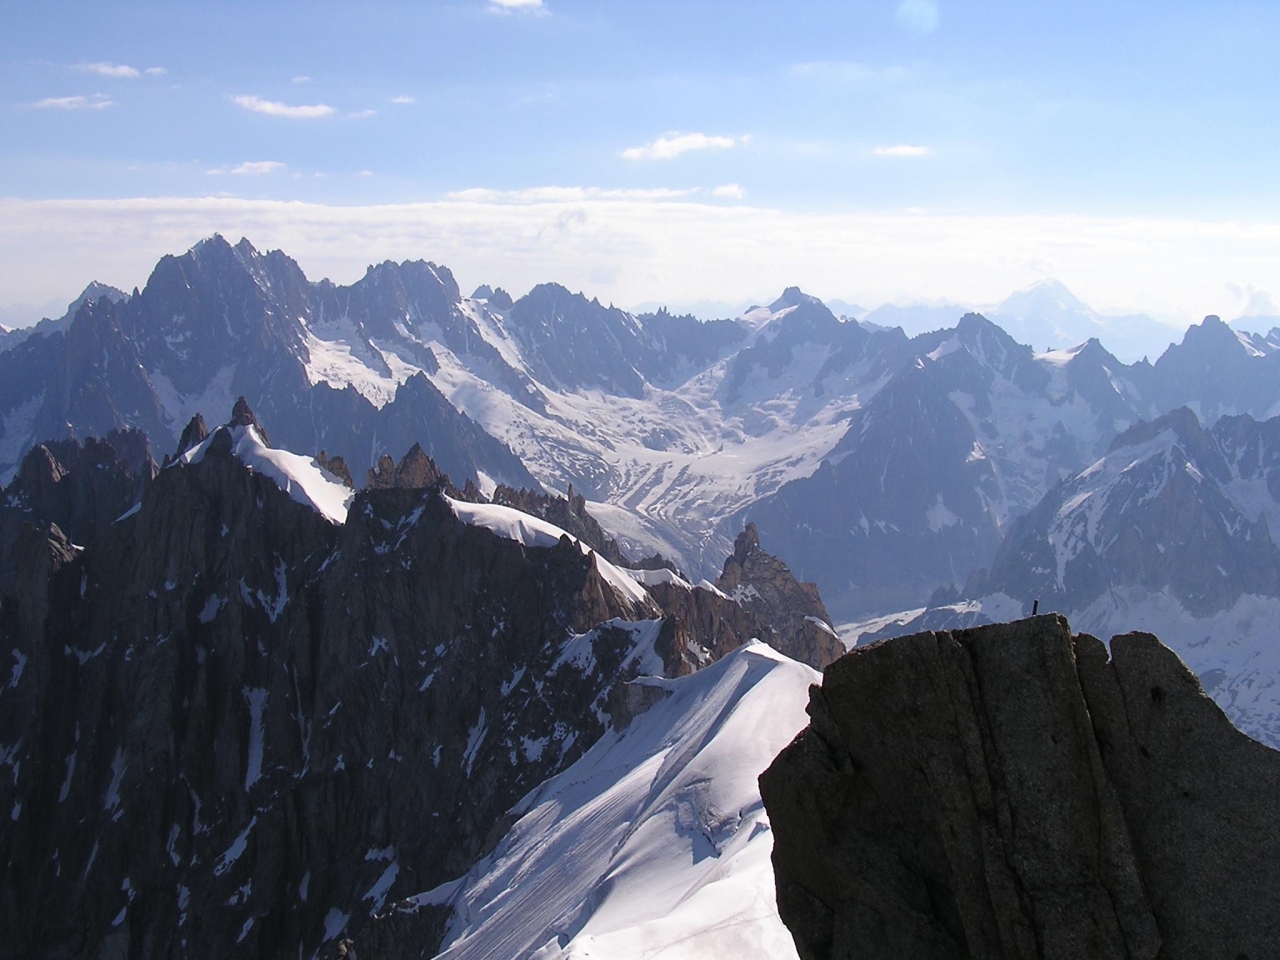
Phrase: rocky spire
x=416 y=471
x=242 y=416
x=337 y=466
x=194 y=433
x=791 y=612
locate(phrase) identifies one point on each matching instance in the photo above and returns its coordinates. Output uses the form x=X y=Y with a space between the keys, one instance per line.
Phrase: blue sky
x=1134 y=122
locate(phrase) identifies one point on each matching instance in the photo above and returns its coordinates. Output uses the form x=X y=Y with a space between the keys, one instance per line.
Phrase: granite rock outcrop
x=1014 y=791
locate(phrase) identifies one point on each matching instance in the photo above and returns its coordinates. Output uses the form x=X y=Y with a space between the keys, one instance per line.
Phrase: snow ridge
x=655 y=843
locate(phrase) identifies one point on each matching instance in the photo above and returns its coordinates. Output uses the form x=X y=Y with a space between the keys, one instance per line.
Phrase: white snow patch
x=65 y=789
x=939 y=516
x=822 y=625
x=852 y=631
x=211 y=608
x=300 y=477
x=474 y=740
x=275 y=608
x=256 y=698
x=118 y=766
x=132 y=511
x=335 y=921
x=652 y=578
x=19 y=664
x=237 y=848
x=378 y=892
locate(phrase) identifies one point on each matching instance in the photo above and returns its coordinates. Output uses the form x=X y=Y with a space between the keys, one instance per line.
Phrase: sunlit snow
x=300 y=477
x=655 y=843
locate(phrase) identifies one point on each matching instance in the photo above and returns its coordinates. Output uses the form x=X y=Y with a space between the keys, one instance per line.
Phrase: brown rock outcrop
x=791 y=614
x=1010 y=791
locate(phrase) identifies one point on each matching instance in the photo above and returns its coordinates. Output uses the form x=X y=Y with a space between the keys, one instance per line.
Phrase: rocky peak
x=276 y=724
x=193 y=434
x=745 y=543
x=80 y=487
x=793 y=297
x=791 y=614
x=242 y=416
x=39 y=469
x=416 y=471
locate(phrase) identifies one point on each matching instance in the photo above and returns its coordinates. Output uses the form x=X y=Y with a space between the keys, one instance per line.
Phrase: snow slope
x=655 y=843
x=300 y=477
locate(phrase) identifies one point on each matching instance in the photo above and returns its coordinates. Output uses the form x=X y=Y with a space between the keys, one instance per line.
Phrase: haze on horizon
x=893 y=151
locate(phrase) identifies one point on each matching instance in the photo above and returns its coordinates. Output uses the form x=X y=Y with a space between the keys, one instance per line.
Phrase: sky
x=897 y=150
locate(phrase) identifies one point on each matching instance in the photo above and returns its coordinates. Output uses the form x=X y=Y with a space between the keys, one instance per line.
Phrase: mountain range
x=294 y=688
x=674 y=429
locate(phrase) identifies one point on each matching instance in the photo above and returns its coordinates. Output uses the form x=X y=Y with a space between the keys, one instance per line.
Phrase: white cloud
x=97 y=102
x=117 y=71
x=673 y=144
x=1254 y=300
x=697 y=249
x=155 y=71
x=402 y=99
x=273 y=108
x=918 y=16
x=730 y=191
x=251 y=168
x=361 y=114
x=902 y=150
x=302 y=79
x=365 y=173
x=566 y=194
x=508 y=6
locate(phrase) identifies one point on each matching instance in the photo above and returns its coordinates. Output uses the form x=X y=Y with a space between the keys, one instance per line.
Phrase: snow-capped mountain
x=222 y=321
x=1174 y=531
x=1048 y=315
x=94 y=291
x=1217 y=371
x=965 y=437
x=676 y=430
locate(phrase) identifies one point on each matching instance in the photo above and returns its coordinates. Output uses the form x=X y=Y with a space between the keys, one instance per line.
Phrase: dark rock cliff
x=1012 y=791
x=232 y=727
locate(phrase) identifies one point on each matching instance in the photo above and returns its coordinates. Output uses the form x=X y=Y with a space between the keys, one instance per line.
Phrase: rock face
x=1012 y=791
x=232 y=726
